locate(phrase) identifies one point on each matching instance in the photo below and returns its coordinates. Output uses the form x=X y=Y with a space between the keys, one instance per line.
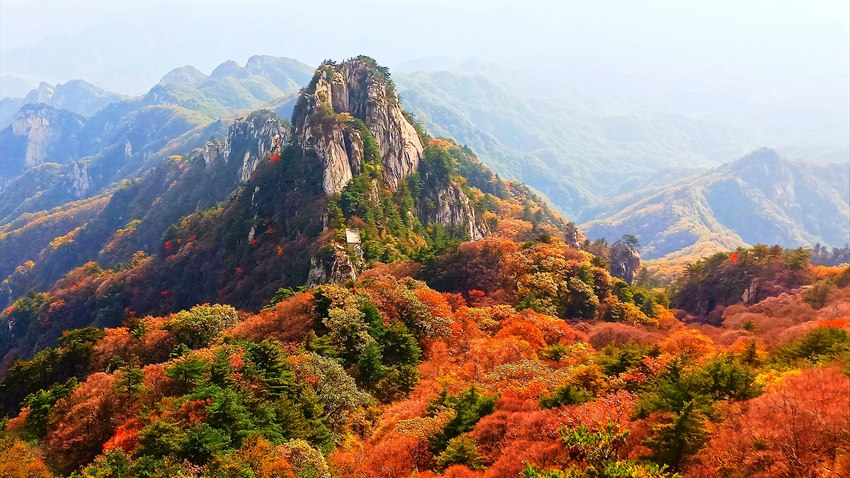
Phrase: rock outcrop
x=249 y=139
x=450 y=208
x=328 y=112
x=80 y=180
x=625 y=262
x=42 y=94
x=49 y=133
x=331 y=265
x=573 y=236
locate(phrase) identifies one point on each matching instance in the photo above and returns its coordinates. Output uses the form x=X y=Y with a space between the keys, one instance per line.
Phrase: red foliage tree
x=290 y=321
x=799 y=429
x=85 y=420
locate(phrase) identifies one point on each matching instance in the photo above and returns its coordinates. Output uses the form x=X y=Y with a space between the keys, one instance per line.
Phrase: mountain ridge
x=759 y=198
x=76 y=96
x=271 y=206
x=191 y=101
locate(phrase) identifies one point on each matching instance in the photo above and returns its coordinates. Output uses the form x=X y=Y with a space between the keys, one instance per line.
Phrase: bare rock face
x=338 y=96
x=625 y=262
x=215 y=152
x=80 y=180
x=48 y=133
x=339 y=167
x=249 y=140
x=450 y=207
x=331 y=265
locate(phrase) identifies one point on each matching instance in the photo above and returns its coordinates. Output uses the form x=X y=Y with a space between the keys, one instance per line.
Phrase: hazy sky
x=127 y=45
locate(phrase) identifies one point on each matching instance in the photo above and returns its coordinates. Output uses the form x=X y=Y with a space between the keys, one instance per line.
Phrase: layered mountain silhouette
x=760 y=198
x=71 y=147
x=76 y=96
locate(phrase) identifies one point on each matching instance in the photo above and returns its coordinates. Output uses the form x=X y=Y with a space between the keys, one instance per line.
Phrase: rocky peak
x=184 y=75
x=42 y=94
x=625 y=261
x=46 y=130
x=338 y=99
x=249 y=139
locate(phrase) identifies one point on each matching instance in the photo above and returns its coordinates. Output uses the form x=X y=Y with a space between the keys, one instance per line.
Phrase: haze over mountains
x=76 y=96
x=760 y=198
x=233 y=210
x=648 y=174
x=552 y=239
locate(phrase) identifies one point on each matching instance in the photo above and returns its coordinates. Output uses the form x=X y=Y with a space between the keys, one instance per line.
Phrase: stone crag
x=358 y=88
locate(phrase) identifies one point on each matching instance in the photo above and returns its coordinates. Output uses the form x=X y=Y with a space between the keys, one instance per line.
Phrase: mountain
x=760 y=198
x=232 y=88
x=575 y=149
x=587 y=154
x=184 y=74
x=76 y=96
x=346 y=295
x=51 y=156
x=350 y=184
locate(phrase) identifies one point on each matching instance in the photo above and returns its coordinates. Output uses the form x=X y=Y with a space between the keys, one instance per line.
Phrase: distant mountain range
x=760 y=198
x=73 y=141
x=76 y=96
x=229 y=87
x=648 y=174
x=576 y=151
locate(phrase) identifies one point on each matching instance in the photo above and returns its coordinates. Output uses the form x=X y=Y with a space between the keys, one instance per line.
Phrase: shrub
x=198 y=326
x=461 y=450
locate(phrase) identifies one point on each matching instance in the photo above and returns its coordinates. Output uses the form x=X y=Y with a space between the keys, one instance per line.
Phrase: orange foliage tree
x=799 y=428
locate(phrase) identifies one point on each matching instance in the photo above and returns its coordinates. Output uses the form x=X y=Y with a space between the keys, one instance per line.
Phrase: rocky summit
x=330 y=111
x=264 y=204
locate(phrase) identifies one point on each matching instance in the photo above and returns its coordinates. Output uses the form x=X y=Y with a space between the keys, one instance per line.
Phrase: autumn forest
x=280 y=271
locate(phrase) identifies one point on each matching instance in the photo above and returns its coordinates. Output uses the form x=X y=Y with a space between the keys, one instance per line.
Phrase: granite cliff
x=340 y=98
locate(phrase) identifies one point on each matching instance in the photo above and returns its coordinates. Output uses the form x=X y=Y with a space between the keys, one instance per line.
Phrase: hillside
x=387 y=377
x=577 y=149
x=265 y=207
x=346 y=295
x=760 y=198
